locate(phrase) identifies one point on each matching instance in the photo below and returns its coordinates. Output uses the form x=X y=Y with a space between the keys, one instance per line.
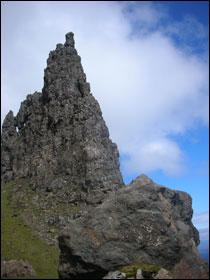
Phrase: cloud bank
x=150 y=86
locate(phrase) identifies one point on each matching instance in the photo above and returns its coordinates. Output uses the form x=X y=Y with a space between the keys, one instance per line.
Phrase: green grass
x=19 y=242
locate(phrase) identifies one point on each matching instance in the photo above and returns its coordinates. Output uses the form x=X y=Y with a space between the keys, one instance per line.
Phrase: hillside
x=19 y=240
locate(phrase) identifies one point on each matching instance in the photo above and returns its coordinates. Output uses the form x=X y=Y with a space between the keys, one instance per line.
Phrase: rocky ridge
x=63 y=170
x=58 y=144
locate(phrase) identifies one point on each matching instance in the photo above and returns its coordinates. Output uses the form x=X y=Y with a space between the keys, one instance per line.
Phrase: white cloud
x=145 y=15
x=148 y=89
x=204 y=234
x=201 y=220
x=188 y=29
x=157 y=154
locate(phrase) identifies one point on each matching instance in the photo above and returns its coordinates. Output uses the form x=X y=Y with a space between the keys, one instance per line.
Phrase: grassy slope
x=18 y=241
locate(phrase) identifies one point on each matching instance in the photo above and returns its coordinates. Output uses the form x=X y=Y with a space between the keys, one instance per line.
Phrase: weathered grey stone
x=163 y=274
x=58 y=142
x=138 y=223
x=61 y=132
x=139 y=274
x=8 y=139
x=140 y=271
x=115 y=275
x=16 y=268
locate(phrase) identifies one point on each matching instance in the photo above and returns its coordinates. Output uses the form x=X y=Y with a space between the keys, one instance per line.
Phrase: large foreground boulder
x=142 y=222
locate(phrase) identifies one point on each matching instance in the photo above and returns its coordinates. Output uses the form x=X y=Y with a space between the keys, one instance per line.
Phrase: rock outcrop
x=16 y=268
x=142 y=222
x=63 y=169
x=58 y=144
x=140 y=271
x=61 y=133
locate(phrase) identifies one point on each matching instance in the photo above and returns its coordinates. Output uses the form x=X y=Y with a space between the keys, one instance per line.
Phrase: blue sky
x=147 y=63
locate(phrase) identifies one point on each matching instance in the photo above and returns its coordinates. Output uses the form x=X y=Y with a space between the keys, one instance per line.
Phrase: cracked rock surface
x=142 y=222
x=58 y=142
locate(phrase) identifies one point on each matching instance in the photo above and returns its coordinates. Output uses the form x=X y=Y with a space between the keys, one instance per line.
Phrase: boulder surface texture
x=14 y=268
x=142 y=222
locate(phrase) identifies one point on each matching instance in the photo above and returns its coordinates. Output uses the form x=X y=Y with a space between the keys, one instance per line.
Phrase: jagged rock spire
x=64 y=75
x=62 y=138
x=7 y=140
x=69 y=39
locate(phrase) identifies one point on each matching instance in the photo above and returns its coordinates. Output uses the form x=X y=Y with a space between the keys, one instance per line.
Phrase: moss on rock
x=149 y=271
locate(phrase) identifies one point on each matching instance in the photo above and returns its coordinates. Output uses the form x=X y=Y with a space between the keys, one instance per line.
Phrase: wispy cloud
x=144 y=15
x=147 y=86
x=204 y=233
x=189 y=29
x=201 y=219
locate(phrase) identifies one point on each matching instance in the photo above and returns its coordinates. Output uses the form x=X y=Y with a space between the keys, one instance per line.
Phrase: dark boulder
x=142 y=222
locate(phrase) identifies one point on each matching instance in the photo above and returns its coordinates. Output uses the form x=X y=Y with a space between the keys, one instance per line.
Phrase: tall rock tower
x=59 y=164
x=58 y=144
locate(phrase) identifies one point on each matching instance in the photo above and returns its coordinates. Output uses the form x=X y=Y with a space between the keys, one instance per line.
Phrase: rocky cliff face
x=65 y=171
x=141 y=223
x=59 y=141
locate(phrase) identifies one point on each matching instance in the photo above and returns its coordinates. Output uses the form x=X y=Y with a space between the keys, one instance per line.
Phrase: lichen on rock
x=140 y=271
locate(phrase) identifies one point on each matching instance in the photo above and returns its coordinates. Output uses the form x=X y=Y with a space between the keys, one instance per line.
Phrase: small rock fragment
x=139 y=274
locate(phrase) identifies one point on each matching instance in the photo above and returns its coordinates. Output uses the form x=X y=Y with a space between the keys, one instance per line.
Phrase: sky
x=148 y=66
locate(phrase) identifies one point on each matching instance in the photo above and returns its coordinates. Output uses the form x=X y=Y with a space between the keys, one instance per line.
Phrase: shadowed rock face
x=59 y=138
x=142 y=222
